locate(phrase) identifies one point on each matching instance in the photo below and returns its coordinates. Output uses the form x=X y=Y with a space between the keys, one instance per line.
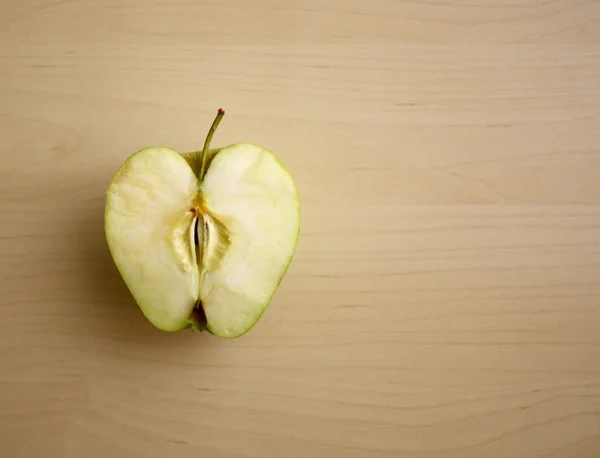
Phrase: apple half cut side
x=202 y=240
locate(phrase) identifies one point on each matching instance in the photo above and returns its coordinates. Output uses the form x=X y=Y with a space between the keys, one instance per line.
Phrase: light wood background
x=445 y=296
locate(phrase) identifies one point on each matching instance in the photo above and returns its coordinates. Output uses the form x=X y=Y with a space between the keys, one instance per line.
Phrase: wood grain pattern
x=445 y=296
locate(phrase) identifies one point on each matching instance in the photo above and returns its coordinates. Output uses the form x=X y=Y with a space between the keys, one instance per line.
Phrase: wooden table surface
x=444 y=300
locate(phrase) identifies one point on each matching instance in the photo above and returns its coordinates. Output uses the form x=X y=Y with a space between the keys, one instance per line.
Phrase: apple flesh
x=202 y=240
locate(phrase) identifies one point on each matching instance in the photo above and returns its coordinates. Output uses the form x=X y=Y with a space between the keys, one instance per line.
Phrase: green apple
x=203 y=240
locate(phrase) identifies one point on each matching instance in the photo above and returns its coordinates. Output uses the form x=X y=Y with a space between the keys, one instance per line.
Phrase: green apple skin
x=248 y=212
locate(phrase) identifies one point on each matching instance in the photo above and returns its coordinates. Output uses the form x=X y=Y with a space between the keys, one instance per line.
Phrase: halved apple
x=202 y=240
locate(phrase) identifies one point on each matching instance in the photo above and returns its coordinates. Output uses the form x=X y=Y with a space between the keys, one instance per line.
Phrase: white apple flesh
x=203 y=249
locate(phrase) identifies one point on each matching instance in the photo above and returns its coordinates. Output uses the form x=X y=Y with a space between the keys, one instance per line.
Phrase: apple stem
x=209 y=137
